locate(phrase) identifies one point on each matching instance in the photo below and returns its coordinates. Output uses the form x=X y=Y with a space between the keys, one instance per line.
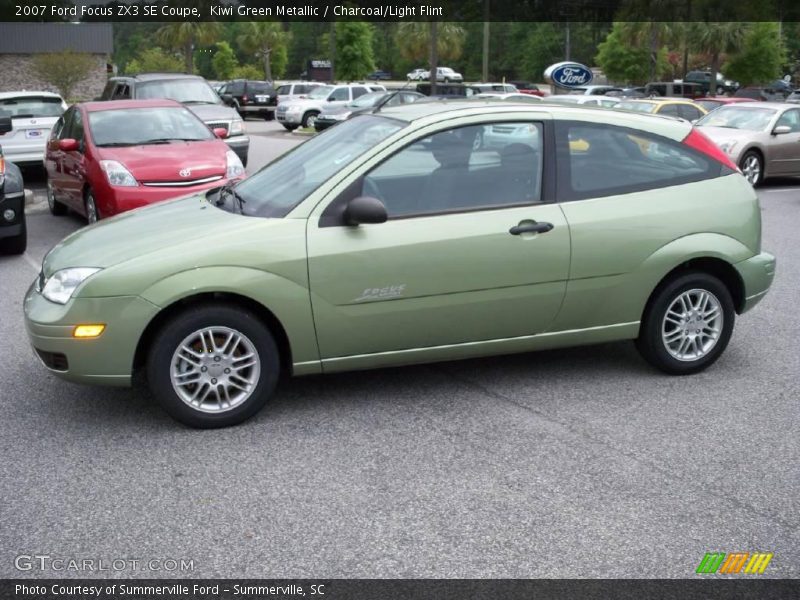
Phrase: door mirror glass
x=227 y=99
x=781 y=129
x=365 y=209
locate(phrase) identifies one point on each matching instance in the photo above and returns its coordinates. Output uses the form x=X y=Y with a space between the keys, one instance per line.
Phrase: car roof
x=27 y=94
x=157 y=76
x=122 y=104
x=436 y=110
x=661 y=101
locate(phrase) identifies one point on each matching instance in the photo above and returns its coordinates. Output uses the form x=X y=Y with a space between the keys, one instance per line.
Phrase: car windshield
x=31 y=106
x=737 y=117
x=321 y=92
x=367 y=100
x=646 y=107
x=141 y=126
x=281 y=185
x=188 y=91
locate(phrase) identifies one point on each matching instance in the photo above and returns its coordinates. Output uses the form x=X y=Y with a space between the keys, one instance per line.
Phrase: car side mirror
x=365 y=209
x=781 y=129
x=68 y=145
x=5 y=125
x=220 y=132
x=227 y=99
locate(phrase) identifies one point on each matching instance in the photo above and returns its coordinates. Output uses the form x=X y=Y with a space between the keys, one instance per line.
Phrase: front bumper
x=107 y=359
x=757 y=274
x=115 y=200
x=290 y=118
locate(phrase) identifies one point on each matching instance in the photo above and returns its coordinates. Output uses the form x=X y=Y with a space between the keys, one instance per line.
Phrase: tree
x=154 y=60
x=262 y=39
x=185 y=35
x=651 y=34
x=224 y=61
x=64 y=69
x=414 y=40
x=620 y=60
x=716 y=39
x=354 y=58
x=761 y=56
x=247 y=72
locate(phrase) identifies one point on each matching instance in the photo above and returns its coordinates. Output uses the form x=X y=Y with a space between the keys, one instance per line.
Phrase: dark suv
x=13 y=232
x=250 y=97
x=724 y=86
x=191 y=90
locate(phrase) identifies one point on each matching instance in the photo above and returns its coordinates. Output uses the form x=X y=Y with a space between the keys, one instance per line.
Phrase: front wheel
x=289 y=127
x=92 y=213
x=687 y=324
x=310 y=118
x=213 y=366
x=56 y=208
x=752 y=167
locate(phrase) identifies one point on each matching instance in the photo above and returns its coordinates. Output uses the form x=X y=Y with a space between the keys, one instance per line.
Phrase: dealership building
x=21 y=42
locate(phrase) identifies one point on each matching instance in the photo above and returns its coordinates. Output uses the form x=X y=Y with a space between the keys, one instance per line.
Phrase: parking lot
x=571 y=463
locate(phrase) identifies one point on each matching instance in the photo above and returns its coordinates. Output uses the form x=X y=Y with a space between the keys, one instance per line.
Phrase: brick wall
x=17 y=73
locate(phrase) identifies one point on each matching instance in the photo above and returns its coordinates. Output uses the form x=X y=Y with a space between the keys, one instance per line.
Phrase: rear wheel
x=213 y=366
x=16 y=244
x=56 y=208
x=687 y=324
x=310 y=118
x=752 y=167
x=92 y=212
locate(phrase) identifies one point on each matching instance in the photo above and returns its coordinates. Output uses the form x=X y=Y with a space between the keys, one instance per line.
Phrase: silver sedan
x=762 y=138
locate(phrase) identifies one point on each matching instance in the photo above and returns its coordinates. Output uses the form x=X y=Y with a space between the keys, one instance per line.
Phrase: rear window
x=259 y=87
x=284 y=90
x=31 y=107
x=605 y=160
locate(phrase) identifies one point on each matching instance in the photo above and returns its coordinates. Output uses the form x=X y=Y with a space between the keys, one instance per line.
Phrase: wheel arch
x=264 y=314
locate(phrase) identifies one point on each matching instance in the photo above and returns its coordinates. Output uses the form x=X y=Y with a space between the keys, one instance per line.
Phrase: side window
x=358 y=91
x=284 y=90
x=55 y=132
x=690 y=113
x=462 y=169
x=669 y=110
x=122 y=92
x=339 y=95
x=790 y=118
x=236 y=88
x=76 y=127
x=602 y=160
x=66 y=124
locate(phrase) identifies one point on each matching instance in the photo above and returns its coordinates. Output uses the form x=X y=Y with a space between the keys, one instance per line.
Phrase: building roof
x=37 y=38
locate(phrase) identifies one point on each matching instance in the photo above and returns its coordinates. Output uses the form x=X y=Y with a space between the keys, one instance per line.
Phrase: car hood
x=176 y=161
x=187 y=221
x=213 y=112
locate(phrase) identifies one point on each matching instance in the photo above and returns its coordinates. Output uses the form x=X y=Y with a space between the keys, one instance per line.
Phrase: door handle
x=531 y=227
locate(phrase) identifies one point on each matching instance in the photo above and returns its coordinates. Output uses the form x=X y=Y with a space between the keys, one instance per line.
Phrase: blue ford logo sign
x=568 y=74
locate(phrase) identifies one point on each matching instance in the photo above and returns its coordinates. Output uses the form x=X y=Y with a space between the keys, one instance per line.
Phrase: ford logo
x=568 y=74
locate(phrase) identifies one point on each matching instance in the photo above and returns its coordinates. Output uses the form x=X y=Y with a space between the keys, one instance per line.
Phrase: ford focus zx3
x=394 y=238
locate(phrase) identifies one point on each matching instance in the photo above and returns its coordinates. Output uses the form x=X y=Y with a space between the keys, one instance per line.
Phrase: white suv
x=445 y=74
x=33 y=115
x=292 y=90
x=304 y=111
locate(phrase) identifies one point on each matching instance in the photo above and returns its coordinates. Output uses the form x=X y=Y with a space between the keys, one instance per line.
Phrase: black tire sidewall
x=311 y=113
x=175 y=331
x=760 y=163
x=650 y=343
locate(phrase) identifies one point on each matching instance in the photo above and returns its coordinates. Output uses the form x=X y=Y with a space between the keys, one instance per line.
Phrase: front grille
x=53 y=360
x=219 y=125
x=182 y=182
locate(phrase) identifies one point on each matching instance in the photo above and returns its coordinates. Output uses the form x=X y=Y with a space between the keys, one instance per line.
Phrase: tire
x=269 y=116
x=447 y=80
x=289 y=127
x=92 y=212
x=17 y=244
x=720 y=91
x=752 y=166
x=56 y=208
x=665 y=327
x=165 y=365
x=309 y=118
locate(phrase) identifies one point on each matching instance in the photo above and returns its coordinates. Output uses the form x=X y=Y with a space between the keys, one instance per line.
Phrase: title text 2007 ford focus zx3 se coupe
x=397 y=238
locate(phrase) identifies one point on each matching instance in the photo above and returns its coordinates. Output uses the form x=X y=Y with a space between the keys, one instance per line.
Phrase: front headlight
x=235 y=167
x=117 y=174
x=727 y=147
x=237 y=127
x=62 y=284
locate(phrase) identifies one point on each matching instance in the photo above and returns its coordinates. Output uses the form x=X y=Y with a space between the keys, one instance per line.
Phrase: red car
x=716 y=101
x=104 y=158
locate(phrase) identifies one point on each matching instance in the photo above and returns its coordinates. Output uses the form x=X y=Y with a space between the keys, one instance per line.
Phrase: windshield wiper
x=228 y=190
x=167 y=140
x=198 y=102
x=116 y=144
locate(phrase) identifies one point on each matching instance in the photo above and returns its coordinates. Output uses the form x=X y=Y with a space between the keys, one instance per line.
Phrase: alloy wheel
x=692 y=325
x=751 y=168
x=91 y=210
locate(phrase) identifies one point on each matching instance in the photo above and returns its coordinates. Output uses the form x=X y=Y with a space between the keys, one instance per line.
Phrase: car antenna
x=381 y=104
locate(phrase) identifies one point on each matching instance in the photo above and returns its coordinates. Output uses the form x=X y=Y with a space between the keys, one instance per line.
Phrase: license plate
x=262 y=99
x=34 y=134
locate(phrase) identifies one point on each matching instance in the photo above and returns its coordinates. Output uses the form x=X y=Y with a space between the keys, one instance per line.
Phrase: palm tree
x=414 y=40
x=653 y=34
x=715 y=39
x=261 y=38
x=184 y=36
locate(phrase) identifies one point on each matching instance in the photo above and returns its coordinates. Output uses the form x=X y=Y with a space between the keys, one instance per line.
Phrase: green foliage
x=414 y=41
x=543 y=46
x=154 y=60
x=620 y=60
x=185 y=35
x=64 y=69
x=261 y=39
x=354 y=58
x=224 y=61
x=760 y=57
x=247 y=72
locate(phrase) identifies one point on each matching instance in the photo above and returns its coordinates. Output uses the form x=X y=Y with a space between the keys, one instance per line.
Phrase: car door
x=54 y=162
x=784 y=149
x=73 y=170
x=459 y=260
x=339 y=96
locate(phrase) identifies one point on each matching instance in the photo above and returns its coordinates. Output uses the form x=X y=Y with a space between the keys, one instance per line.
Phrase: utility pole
x=567 y=43
x=485 y=69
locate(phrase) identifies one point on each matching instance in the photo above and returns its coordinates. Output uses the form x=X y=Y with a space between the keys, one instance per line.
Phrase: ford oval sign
x=568 y=74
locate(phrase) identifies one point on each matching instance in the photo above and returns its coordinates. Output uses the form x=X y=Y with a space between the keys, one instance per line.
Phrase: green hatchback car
x=394 y=238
